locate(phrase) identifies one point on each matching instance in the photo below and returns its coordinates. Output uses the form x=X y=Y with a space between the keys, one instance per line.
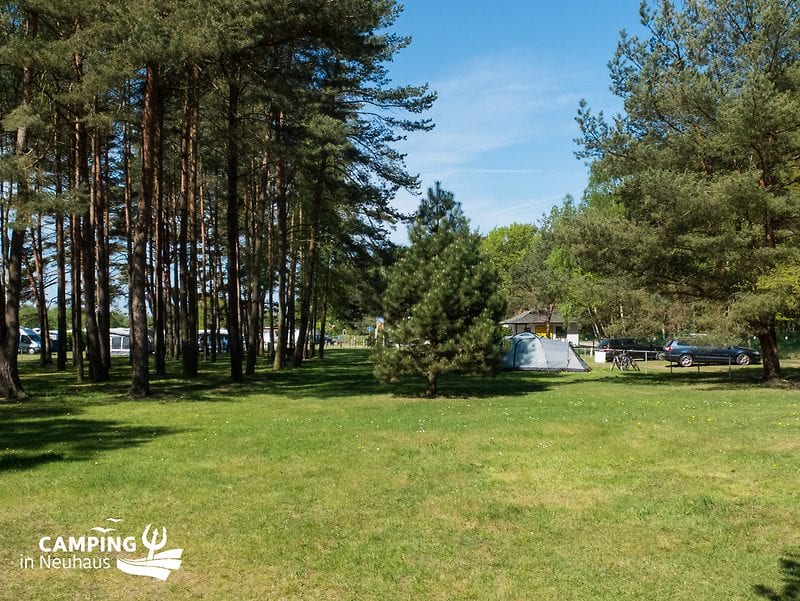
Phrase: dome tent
x=528 y=351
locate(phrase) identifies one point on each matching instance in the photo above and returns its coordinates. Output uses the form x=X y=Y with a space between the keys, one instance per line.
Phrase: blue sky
x=509 y=76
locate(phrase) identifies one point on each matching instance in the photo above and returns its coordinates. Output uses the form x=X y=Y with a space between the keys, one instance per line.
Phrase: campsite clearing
x=322 y=483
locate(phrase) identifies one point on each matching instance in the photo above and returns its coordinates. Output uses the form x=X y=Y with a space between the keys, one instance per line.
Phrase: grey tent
x=528 y=351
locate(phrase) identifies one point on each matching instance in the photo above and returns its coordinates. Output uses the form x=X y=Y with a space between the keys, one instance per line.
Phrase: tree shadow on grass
x=790 y=567
x=718 y=377
x=36 y=434
x=343 y=373
x=55 y=388
x=347 y=373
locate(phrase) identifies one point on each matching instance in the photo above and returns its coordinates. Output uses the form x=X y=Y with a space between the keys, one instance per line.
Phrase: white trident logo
x=152 y=545
x=156 y=565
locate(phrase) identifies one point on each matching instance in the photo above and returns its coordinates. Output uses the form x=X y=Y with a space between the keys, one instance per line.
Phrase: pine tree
x=443 y=305
x=703 y=162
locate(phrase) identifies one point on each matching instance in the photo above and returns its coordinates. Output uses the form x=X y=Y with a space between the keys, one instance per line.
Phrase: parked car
x=688 y=352
x=635 y=347
x=29 y=342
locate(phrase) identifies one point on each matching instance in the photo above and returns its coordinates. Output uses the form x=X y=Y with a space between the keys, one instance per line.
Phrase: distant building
x=536 y=322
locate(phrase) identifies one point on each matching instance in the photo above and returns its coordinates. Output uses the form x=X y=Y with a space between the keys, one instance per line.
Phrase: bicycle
x=623 y=361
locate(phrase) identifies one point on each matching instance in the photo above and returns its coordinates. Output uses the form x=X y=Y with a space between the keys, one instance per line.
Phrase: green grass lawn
x=322 y=483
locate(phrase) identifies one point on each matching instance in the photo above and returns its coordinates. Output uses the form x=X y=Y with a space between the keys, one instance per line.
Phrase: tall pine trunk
x=61 y=265
x=100 y=209
x=140 y=383
x=161 y=272
x=187 y=239
x=97 y=373
x=38 y=286
x=216 y=283
x=271 y=277
x=309 y=265
x=85 y=235
x=291 y=281
x=283 y=249
x=204 y=273
x=232 y=222
x=322 y=324
x=75 y=296
x=61 y=292
x=10 y=384
x=173 y=291
x=81 y=231
x=257 y=253
x=282 y=252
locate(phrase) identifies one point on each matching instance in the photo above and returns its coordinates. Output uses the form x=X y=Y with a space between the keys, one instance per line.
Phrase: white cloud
x=487 y=105
x=503 y=141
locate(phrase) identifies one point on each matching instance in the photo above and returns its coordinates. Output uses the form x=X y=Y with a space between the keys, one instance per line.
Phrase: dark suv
x=635 y=347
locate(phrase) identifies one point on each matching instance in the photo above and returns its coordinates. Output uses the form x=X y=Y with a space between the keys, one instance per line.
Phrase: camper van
x=29 y=342
x=120 y=341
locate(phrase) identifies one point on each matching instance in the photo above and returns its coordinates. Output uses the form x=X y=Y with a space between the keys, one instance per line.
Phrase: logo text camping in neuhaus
x=80 y=552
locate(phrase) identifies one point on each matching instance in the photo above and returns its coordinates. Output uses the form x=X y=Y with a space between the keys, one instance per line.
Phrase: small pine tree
x=443 y=305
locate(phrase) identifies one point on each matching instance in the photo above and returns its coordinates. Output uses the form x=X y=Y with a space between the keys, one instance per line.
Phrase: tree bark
x=204 y=273
x=127 y=151
x=75 y=297
x=433 y=384
x=322 y=325
x=309 y=265
x=10 y=384
x=187 y=239
x=161 y=273
x=271 y=279
x=216 y=284
x=85 y=237
x=291 y=276
x=100 y=208
x=88 y=222
x=140 y=384
x=172 y=300
x=282 y=252
x=38 y=286
x=257 y=256
x=282 y=331
x=234 y=336
x=89 y=269
x=61 y=291
x=770 y=360
x=77 y=178
x=61 y=267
